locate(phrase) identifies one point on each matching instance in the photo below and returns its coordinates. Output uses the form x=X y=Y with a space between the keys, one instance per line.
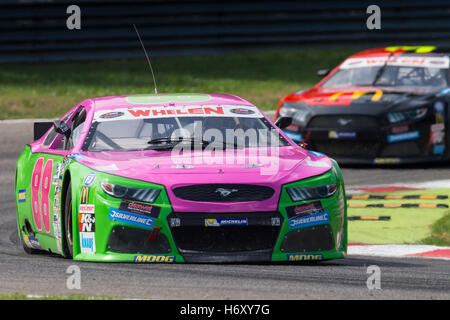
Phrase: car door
x=42 y=183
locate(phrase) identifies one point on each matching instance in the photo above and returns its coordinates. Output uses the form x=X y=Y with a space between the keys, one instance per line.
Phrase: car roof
x=165 y=99
x=400 y=50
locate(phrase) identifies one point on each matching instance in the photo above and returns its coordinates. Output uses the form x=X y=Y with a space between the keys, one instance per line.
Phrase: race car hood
x=359 y=100
x=282 y=165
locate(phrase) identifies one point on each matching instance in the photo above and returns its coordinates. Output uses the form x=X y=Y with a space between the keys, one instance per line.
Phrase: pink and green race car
x=177 y=178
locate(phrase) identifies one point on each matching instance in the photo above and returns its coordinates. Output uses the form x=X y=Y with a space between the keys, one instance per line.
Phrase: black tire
x=67 y=224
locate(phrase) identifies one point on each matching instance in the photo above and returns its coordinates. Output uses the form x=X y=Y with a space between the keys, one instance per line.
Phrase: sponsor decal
x=296 y=137
x=421 y=62
x=445 y=91
x=185 y=111
x=111 y=115
x=341 y=134
x=304 y=257
x=22 y=195
x=400 y=129
x=89 y=179
x=226 y=222
x=437 y=133
x=386 y=160
x=439 y=149
x=316 y=154
x=76 y=156
x=140 y=208
x=310 y=220
x=87 y=222
x=84 y=195
x=403 y=136
x=57 y=230
x=131 y=218
x=87 y=242
x=87 y=208
x=31 y=242
x=154 y=258
x=242 y=111
x=305 y=209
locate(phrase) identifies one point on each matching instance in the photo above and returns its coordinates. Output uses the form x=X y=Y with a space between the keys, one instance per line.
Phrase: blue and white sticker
x=297 y=137
x=134 y=219
x=22 y=195
x=226 y=222
x=341 y=134
x=316 y=154
x=311 y=220
x=439 y=149
x=87 y=242
x=31 y=242
x=89 y=179
x=403 y=136
x=445 y=91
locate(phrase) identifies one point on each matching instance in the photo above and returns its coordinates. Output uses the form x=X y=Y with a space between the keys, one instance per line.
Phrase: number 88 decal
x=41 y=182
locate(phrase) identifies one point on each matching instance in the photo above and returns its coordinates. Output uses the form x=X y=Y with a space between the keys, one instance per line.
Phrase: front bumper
x=213 y=237
x=374 y=142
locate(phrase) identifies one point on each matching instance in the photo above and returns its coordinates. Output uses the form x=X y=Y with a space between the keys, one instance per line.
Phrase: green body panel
x=52 y=241
x=335 y=205
x=103 y=203
x=47 y=240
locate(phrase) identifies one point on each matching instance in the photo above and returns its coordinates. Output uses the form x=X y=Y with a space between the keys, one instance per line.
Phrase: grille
x=343 y=148
x=139 y=241
x=401 y=149
x=193 y=236
x=318 y=238
x=344 y=122
x=224 y=192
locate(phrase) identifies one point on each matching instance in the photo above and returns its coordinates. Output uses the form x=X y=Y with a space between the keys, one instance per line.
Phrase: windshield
x=163 y=133
x=430 y=73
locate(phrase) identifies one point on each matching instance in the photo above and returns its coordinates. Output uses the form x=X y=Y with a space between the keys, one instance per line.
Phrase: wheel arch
x=66 y=181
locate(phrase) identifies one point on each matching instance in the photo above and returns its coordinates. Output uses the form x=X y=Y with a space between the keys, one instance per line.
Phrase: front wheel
x=68 y=236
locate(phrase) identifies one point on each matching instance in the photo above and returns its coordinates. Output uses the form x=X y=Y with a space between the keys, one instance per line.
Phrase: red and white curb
x=383 y=188
x=399 y=251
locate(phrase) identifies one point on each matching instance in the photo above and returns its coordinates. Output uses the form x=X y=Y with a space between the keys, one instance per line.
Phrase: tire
x=67 y=225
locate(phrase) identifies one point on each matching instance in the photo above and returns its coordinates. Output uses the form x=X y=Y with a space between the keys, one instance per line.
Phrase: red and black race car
x=383 y=106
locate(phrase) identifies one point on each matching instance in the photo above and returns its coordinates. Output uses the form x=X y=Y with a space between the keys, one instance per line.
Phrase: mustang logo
x=344 y=122
x=225 y=192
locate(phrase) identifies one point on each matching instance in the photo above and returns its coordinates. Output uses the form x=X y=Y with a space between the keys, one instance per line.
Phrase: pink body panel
x=287 y=164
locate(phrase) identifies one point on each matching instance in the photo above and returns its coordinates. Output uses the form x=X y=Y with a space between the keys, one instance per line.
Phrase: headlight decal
x=134 y=194
x=311 y=193
x=410 y=115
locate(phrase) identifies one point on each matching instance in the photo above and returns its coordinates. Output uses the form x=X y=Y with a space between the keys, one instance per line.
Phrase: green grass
x=440 y=232
x=48 y=90
x=407 y=225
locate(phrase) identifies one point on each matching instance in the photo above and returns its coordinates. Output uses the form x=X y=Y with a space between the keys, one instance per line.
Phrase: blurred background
x=259 y=50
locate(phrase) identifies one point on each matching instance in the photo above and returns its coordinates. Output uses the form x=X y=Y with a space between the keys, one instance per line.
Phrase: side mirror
x=283 y=122
x=62 y=128
x=323 y=72
x=40 y=128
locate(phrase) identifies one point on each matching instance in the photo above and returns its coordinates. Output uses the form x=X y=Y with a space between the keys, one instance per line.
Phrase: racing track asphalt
x=401 y=278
